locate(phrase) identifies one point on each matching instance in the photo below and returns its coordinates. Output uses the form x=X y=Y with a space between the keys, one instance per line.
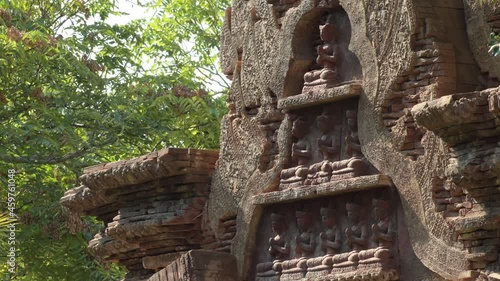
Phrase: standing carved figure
x=328 y=57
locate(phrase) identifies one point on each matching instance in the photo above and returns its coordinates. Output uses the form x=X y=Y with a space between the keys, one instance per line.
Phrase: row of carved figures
x=331 y=240
x=330 y=168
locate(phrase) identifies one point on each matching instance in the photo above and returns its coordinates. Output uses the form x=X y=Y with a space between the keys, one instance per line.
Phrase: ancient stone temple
x=362 y=143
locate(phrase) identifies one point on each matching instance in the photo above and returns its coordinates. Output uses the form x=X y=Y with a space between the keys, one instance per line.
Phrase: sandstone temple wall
x=362 y=143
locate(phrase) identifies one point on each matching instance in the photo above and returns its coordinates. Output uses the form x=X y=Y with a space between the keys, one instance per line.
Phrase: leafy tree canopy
x=76 y=91
x=494 y=44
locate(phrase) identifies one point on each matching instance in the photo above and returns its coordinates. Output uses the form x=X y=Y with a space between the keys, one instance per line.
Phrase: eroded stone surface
x=199 y=265
x=151 y=207
x=467 y=122
x=482 y=19
x=408 y=52
x=361 y=143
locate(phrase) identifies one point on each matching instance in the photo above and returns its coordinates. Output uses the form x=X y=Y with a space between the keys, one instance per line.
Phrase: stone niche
x=322 y=59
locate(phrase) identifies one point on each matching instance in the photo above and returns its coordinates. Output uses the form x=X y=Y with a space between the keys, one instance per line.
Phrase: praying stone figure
x=356 y=238
x=305 y=244
x=329 y=148
x=279 y=248
x=352 y=140
x=330 y=243
x=305 y=239
x=357 y=233
x=327 y=144
x=356 y=164
x=330 y=240
x=328 y=58
x=301 y=154
x=384 y=233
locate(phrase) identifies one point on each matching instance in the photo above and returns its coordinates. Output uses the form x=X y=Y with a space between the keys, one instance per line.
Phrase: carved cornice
x=322 y=96
x=461 y=118
x=151 y=207
x=324 y=189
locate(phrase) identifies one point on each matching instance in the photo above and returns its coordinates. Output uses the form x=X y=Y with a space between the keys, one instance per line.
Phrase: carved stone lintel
x=325 y=95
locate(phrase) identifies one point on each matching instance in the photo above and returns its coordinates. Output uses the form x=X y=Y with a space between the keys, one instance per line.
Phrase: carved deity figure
x=327 y=144
x=329 y=148
x=356 y=237
x=384 y=232
x=356 y=164
x=328 y=57
x=305 y=239
x=352 y=140
x=305 y=243
x=329 y=239
x=301 y=154
x=279 y=248
x=357 y=233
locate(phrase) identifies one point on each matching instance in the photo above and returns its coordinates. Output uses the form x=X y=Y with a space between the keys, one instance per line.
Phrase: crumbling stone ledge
x=325 y=95
x=324 y=189
x=151 y=207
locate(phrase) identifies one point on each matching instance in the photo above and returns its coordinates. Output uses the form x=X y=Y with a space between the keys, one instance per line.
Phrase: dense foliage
x=76 y=91
x=494 y=44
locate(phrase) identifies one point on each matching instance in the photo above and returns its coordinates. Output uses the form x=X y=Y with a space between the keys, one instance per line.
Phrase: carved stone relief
x=333 y=106
x=325 y=147
x=347 y=235
x=407 y=52
x=322 y=58
x=280 y=7
x=482 y=19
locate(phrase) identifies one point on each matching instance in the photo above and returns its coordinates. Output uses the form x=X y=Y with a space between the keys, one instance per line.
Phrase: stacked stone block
x=151 y=207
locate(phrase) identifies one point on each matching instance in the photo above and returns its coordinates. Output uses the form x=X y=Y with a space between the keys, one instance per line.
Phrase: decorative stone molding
x=151 y=207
